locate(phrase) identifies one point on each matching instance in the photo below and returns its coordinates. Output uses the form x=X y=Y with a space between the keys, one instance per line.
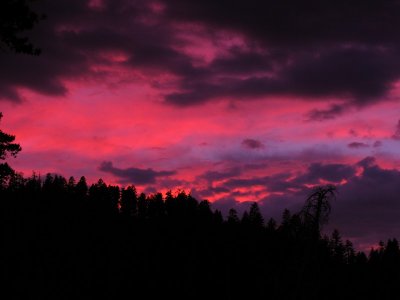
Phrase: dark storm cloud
x=344 y=49
x=134 y=175
x=360 y=76
x=252 y=144
x=296 y=22
x=357 y=145
x=243 y=62
x=359 y=73
x=309 y=49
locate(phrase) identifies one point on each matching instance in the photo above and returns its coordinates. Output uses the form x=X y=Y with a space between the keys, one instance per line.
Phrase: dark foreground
x=63 y=240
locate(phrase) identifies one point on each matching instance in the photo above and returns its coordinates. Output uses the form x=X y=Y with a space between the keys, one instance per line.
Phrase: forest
x=65 y=239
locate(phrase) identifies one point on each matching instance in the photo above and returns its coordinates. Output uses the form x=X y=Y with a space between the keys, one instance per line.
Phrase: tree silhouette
x=349 y=252
x=318 y=207
x=337 y=247
x=81 y=186
x=233 y=217
x=129 y=201
x=62 y=240
x=204 y=212
x=271 y=225
x=255 y=217
x=142 y=206
x=7 y=147
x=156 y=207
x=16 y=17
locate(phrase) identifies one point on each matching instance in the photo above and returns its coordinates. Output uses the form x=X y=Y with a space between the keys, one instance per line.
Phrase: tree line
x=64 y=239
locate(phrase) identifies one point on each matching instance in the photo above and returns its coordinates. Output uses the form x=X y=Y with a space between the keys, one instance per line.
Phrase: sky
x=233 y=101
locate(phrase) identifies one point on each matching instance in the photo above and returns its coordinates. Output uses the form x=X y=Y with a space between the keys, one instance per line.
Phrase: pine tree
x=7 y=148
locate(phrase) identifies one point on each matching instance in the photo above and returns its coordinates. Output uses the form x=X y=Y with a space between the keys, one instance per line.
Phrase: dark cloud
x=134 y=175
x=210 y=191
x=333 y=50
x=368 y=206
x=396 y=135
x=363 y=75
x=318 y=172
x=213 y=176
x=312 y=50
x=357 y=145
x=294 y=23
x=359 y=76
x=274 y=183
x=77 y=41
x=242 y=62
x=43 y=73
x=326 y=114
x=252 y=144
x=9 y=93
x=367 y=162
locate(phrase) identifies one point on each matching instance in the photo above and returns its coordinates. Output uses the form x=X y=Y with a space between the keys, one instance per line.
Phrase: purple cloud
x=357 y=145
x=134 y=175
x=252 y=144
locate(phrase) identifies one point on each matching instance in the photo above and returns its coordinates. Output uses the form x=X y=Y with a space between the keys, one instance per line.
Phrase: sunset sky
x=234 y=101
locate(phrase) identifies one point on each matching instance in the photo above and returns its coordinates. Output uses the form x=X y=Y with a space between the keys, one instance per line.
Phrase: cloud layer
x=240 y=50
